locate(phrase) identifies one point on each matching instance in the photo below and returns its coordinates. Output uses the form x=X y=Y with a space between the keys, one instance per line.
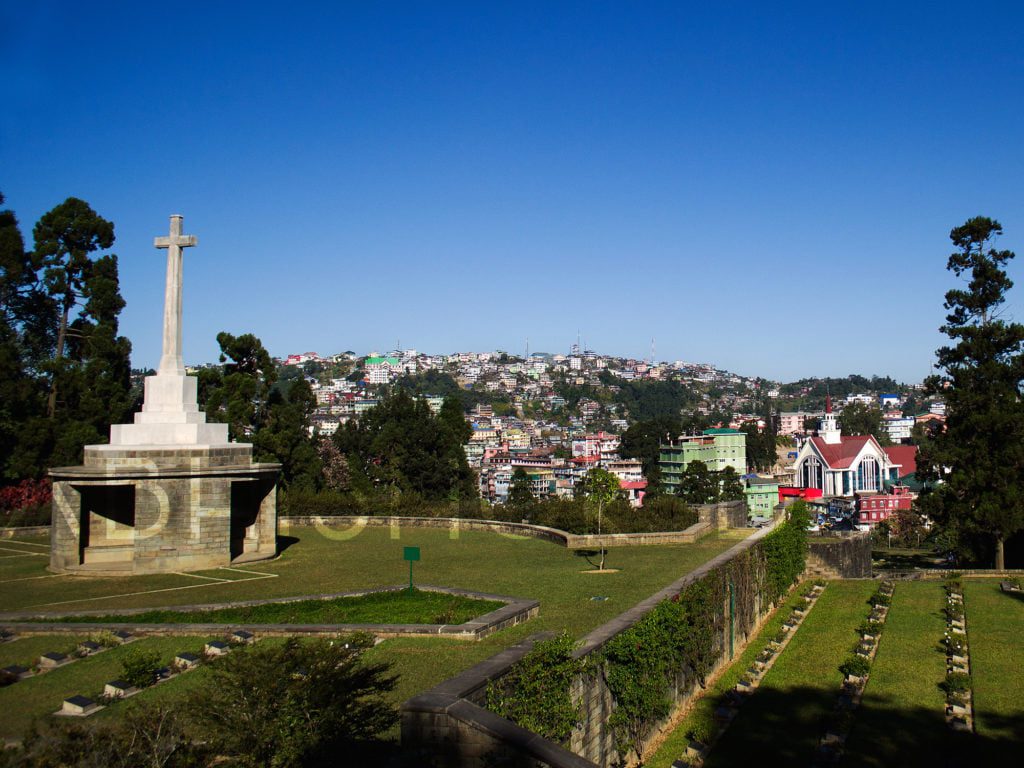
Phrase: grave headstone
x=117 y=689
x=52 y=659
x=186 y=660
x=216 y=648
x=78 y=706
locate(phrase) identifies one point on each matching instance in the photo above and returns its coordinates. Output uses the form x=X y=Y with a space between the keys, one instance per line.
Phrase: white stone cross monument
x=170 y=412
x=171 y=362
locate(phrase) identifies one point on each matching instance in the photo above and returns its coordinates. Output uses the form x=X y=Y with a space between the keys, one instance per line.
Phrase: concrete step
x=109 y=556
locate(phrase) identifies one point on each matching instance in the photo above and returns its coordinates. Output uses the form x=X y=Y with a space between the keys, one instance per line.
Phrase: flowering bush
x=27 y=503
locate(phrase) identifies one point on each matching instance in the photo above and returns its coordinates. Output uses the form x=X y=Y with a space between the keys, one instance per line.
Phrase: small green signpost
x=412 y=554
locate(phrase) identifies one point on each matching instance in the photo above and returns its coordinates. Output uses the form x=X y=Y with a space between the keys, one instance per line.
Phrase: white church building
x=843 y=465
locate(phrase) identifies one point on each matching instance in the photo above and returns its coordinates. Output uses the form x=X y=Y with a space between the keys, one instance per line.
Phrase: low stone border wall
x=29 y=530
x=562 y=538
x=515 y=611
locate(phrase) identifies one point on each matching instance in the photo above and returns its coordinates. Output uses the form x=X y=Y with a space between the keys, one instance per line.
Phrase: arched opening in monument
x=107 y=523
x=248 y=499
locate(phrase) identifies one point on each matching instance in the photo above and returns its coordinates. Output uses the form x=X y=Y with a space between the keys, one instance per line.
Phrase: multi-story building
x=717 y=448
x=380 y=370
x=792 y=422
x=761 y=495
x=874 y=508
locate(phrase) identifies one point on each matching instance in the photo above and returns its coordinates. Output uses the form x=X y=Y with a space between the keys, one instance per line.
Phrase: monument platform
x=154 y=509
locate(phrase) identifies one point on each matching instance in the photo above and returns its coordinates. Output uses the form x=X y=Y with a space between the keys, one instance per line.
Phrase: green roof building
x=717 y=448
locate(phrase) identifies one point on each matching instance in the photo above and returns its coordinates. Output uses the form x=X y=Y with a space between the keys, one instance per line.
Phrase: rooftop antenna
x=652 y=350
x=527 y=348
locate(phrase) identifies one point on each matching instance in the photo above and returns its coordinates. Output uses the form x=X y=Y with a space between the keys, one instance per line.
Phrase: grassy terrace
x=40 y=695
x=900 y=720
x=995 y=629
x=783 y=721
x=336 y=561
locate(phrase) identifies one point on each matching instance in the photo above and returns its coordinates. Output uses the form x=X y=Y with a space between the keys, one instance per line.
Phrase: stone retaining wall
x=844 y=556
x=449 y=721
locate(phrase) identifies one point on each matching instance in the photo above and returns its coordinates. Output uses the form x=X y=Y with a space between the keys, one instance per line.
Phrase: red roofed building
x=843 y=466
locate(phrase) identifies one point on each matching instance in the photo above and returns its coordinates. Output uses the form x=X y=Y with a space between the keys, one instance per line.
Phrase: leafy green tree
x=64 y=238
x=298 y=703
x=520 y=492
x=860 y=419
x=978 y=456
x=599 y=487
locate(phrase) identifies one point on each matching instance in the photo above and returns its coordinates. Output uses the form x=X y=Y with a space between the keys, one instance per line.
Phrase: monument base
x=158 y=509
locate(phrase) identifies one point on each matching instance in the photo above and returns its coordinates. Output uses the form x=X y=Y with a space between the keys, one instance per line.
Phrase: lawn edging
x=515 y=611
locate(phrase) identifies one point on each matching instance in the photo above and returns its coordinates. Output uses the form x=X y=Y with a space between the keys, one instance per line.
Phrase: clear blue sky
x=764 y=187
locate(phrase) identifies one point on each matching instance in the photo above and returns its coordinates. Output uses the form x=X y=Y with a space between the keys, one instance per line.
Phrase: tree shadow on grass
x=784 y=728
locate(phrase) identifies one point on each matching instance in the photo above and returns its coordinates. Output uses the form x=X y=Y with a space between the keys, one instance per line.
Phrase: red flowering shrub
x=27 y=503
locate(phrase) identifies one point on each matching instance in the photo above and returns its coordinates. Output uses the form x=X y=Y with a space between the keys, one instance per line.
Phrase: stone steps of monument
x=109 y=555
x=125 y=566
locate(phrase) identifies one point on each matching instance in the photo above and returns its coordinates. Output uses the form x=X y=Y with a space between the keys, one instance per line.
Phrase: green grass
x=326 y=561
x=783 y=721
x=900 y=720
x=41 y=695
x=401 y=607
x=703 y=711
x=25 y=650
x=995 y=632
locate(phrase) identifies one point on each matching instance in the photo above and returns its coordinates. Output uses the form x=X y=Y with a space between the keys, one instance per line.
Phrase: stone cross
x=171 y=362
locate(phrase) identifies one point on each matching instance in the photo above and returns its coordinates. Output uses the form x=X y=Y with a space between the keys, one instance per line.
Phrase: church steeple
x=829 y=429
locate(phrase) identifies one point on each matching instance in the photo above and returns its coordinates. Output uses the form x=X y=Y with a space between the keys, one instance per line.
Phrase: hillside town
x=557 y=416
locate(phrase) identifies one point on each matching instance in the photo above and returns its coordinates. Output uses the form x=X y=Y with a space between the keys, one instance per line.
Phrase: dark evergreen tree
x=284 y=436
x=238 y=394
x=975 y=464
x=520 y=493
x=64 y=239
x=698 y=484
x=731 y=489
x=400 y=446
x=643 y=440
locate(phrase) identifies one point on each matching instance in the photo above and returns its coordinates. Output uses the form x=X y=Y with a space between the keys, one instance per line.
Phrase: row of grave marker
x=53 y=659
x=959 y=709
x=186 y=661
x=830 y=746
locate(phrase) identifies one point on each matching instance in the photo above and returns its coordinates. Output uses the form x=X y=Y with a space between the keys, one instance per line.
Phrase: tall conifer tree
x=976 y=463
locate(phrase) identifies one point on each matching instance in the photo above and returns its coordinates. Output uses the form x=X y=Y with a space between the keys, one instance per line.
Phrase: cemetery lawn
x=995 y=633
x=783 y=721
x=900 y=720
x=400 y=607
x=324 y=561
x=38 y=696
x=704 y=709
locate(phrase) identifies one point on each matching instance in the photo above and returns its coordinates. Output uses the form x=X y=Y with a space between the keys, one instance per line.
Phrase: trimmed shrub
x=855 y=666
x=139 y=667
